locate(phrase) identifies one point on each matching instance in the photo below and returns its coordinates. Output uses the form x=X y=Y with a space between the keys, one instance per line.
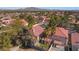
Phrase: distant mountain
x=32 y=9
x=48 y=9
x=40 y=8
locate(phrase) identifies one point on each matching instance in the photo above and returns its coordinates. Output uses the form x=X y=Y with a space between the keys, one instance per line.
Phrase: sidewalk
x=55 y=49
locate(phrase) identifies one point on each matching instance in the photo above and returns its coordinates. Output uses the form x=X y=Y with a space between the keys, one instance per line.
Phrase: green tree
x=64 y=21
x=5 y=41
x=8 y=32
x=31 y=21
x=53 y=23
x=23 y=38
x=22 y=16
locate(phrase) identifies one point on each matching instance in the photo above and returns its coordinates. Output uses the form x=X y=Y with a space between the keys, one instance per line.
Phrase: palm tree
x=53 y=22
x=64 y=21
x=31 y=21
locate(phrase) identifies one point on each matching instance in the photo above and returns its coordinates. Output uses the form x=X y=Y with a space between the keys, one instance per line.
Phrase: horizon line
x=49 y=8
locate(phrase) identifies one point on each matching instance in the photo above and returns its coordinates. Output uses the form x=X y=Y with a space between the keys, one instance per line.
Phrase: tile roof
x=37 y=30
x=61 y=32
x=75 y=38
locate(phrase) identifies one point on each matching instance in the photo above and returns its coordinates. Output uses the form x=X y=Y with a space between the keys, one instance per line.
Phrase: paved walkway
x=55 y=49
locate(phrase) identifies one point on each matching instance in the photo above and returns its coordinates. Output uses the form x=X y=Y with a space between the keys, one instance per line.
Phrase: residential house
x=6 y=20
x=24 y=22
x=37 y=30
x=60 y=38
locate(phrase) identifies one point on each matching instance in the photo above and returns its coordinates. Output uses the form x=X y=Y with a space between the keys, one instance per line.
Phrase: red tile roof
x=37 y=30
x=64 y=33
x=61 y=32
x=75 y=38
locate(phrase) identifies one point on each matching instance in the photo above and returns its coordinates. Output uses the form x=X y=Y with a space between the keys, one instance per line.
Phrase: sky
x=40 y=3
x=47 y=4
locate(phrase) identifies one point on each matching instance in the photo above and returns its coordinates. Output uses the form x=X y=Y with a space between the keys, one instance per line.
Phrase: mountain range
x=32 y=9
x=39 y=8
